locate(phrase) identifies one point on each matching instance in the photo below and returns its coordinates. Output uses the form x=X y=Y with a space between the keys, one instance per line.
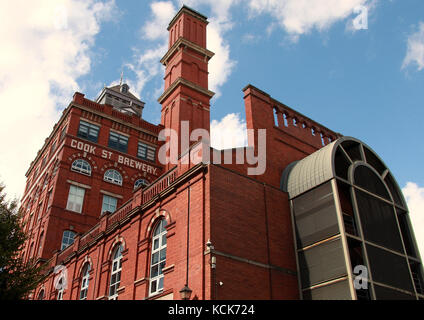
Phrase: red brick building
x=124 y=225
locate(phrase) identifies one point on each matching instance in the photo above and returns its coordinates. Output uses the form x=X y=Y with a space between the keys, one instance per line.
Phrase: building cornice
x=189 y=84
x=186 y=43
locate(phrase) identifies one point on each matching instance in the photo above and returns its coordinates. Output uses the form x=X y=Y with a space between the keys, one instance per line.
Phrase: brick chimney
x=186 y=96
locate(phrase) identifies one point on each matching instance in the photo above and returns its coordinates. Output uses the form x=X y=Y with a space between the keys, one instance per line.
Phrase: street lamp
x=185 y=293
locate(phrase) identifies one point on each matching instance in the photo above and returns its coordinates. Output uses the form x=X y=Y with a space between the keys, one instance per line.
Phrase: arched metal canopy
x=319 y=167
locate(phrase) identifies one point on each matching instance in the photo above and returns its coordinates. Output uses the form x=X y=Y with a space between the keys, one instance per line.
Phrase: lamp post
x=185 y=293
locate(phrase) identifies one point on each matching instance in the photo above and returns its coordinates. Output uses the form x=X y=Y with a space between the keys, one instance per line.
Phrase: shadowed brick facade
x=248 y=220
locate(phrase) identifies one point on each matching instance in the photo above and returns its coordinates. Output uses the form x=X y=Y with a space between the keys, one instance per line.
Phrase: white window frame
x=158 y=258
x=141 y=182
x=109 y=205
x=146 y=152
x=85 y=281
x=75 y=199
x=118 y=141
x=66 y=236
x=88 y=131
x=81 y=166
x=115 y=273
x=113 y=176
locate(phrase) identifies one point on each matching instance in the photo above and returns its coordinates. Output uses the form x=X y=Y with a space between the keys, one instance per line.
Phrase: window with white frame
x=81 y=166
x=115 y=274
x=88 y=131
x=113 y=176
x=109 y=204
x=75 y=199
x=141 y=182
x=85 y=281
x=146 y=152
x=118 y=141
x=67 y=239
x=158 y=258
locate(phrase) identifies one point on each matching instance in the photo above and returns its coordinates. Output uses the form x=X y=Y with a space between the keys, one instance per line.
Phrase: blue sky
x=363 y=83
x=352 y=82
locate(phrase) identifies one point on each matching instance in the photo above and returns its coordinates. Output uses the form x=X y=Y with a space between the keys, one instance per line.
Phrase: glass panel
x=406 y=233
x=163 y=254
x=389 y=268
x=164 y=239
x=322 y=263
x=315 y=215
x=342 y=164
x=156 y=244
x=374 y=161
x=378 y=221
x=161 y=266
x=161 y=283
x=394 y=190
x=368 y=180
x=153 y=286
x=383 y=293
x=352 y=148
x=155 y=271
x=155 y=258
x=336 y=291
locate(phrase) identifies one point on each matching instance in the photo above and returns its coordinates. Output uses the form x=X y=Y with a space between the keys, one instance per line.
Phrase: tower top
x=121 y=99
x=189 y=11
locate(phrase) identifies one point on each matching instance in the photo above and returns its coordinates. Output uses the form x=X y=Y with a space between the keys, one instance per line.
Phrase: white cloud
x=229 y=132
x=299 y=17
x=45 y=49
x=415 y=51
x=414 y=196
x=162 y=14
x=145 y=64
x=221 y=65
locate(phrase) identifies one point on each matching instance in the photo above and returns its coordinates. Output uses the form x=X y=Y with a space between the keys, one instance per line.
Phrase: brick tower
x=186 y=96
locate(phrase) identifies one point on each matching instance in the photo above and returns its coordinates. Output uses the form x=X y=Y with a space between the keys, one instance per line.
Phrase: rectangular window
x=53 y=148
x=75 y=199
x=146 y=152
x=62 y=134
x=88 y=131
x=109 y=204
x=118 y=142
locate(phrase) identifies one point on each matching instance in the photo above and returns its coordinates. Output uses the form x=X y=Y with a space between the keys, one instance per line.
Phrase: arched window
x=31 y=251
x=85 y=281
x=41 y=295
x=40 y=244
x=113 y=176
x=81 y=166
x=115 y=275
x=141 y=182
x=158 y=258
x=67 y=239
